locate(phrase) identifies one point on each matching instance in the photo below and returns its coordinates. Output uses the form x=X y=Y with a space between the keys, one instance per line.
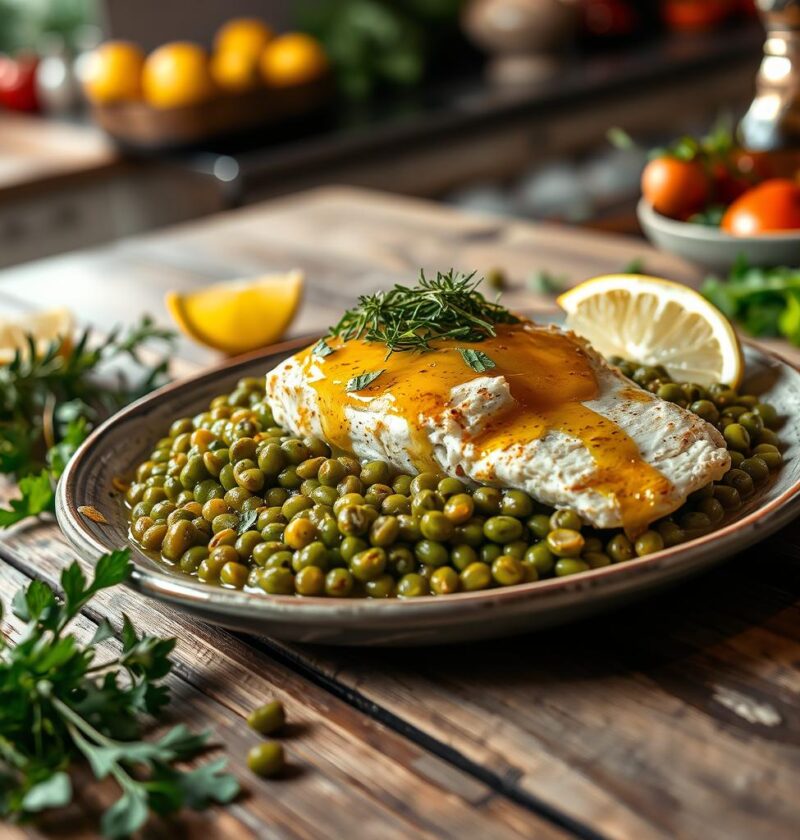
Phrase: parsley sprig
x=411 y=317
x=51 y=398
x=58 y=705
x=765 y=301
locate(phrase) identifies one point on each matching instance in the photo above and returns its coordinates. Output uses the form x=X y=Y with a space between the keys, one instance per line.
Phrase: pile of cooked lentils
x=230 y=498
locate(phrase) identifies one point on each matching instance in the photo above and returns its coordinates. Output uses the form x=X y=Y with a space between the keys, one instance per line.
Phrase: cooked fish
x=539 y=411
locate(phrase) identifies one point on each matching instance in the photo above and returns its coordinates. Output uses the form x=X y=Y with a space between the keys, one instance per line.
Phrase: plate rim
x=754 y=526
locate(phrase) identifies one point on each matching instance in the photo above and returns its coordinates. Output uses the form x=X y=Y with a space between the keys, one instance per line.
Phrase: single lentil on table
x=232 y=499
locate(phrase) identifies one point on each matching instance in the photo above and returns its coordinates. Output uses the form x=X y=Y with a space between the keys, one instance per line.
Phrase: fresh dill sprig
x=411 y=317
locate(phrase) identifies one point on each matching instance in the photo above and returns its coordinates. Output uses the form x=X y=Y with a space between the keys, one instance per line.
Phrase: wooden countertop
x=677 y=717
x=36 y=153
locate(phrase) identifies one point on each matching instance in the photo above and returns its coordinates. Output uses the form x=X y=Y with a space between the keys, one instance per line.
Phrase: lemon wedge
x=45 y=327
x=656 y=322
x=238 y=316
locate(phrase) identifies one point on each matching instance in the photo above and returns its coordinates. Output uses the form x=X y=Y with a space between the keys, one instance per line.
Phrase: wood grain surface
x=677 y=717
x=36 y=153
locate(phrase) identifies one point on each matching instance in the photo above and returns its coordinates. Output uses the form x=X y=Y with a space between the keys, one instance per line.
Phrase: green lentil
x=369 y=564
x=648 y=543
x=276 y=581
x=620 y=549
x=565 y=542
x=508 y=570
x=570 y=566
x=339 y=583
x=380 y=587
x=310 y=581
x=338 y=527
x=431 y=553
x=476 y=576
x=435 y=525
x=412 y=586
x=541 y=558
x=266 y=759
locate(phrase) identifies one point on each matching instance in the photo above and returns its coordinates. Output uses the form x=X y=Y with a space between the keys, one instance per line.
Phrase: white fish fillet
x=554 y=469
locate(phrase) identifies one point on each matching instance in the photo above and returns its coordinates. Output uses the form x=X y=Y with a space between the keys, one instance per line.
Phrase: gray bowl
x=126 y=439
x=711 y=248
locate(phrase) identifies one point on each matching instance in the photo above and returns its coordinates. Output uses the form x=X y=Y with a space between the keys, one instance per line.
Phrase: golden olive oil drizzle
x=549 y=376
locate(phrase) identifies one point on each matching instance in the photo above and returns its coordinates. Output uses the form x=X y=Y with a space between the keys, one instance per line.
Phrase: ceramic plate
x=126 y=439
x=712 y=248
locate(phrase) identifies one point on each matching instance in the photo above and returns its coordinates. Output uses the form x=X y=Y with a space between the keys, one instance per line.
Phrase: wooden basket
x=139 y=125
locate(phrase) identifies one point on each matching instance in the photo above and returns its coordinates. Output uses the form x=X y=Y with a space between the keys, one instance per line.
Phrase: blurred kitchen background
x=503 y=106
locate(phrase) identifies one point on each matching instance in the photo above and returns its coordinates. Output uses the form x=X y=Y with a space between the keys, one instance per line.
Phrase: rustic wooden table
x=38 y=154
x=674 y=718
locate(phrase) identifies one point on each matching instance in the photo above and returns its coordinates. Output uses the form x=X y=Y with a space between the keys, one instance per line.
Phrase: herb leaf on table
x=51 y=398
x=58 y=706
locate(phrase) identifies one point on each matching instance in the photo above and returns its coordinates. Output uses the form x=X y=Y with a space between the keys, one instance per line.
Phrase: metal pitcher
x=772 y=122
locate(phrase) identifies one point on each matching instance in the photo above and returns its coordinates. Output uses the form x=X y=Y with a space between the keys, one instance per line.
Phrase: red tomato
x=675 y=188
x=692 y=15
x=771 y=206
x=18 y=83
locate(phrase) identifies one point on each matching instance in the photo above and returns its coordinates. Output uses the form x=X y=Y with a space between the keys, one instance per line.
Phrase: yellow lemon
x=656 y=322
x=293 y=59
x=238 y=316
x=248 y=36
x=177 y=74
x=235 y=71
x=44 y=327
x=113 y=73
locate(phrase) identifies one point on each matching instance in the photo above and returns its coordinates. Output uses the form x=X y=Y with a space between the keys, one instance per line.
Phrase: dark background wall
x=152 y=22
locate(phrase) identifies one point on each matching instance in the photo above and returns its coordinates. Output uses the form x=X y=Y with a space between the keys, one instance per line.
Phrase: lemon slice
x=656 y=322
x=45 y=327
x=238 y=316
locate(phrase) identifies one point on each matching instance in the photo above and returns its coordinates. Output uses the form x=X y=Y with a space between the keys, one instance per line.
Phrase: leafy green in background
x=58 y=705
x=765 y=301
x=50 y=399
x=23 y=23
x=710 y=217
x=544 y=282
x=376 y=43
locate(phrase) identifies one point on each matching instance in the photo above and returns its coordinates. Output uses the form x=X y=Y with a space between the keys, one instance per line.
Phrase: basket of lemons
x=182 y=94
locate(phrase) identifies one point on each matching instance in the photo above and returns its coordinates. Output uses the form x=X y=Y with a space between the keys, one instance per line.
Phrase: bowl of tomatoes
x=713 y=203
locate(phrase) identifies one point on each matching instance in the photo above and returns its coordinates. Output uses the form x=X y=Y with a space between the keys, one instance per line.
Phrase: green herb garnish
x=477 y=360
x=765 y=301
x=36 y=497
x=50 y=400
x=322 y=348
x=544 y=282
x=246 y=521
x=358 y=383
x=58 y=706
x=411 y=317
x=710 y=217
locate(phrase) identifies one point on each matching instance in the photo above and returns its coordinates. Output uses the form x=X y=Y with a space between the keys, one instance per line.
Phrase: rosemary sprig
x=411 y=317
